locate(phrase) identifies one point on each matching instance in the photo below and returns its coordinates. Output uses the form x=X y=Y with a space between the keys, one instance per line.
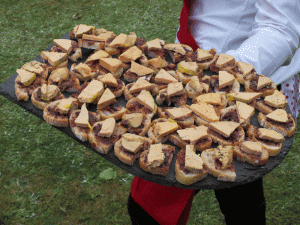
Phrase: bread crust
x=189 y=121
x=271 y=147
x=146 y=124
x=199 y=146
x=112 y=111
x=55 y=118
x=80 y=132
x=187 y=177
x=236 y=140
x=209 y=160
x=24 y=92
x=286 y=132
x=264 y=108
x=36 y=101
x=129 y=159
x=185 y=78
x=104 y=145
x=153 y=90
x=254 y=160
x=70 y=85
x=264 y=92
x=163 y=169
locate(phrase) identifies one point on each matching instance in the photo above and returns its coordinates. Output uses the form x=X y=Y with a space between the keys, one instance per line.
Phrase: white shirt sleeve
x=274 y=38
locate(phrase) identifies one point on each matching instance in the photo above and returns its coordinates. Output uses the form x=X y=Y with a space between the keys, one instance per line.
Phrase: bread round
x=104 y=146
x=287 y=132
x=112 y=111
x=24 y=92
x=265 y=93
x=152 y=135
x=122 y=156
x=188 y=177
x=226 y=141
x=58 y=120
x=254 y=160
x=273 y=148
x=80 y=132
x=163 y=169
x=265 y=108
x=63 y=64
x=209 y=160
x=40 y=103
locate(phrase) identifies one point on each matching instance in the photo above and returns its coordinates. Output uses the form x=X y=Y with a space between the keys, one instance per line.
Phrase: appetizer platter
x=160 y=111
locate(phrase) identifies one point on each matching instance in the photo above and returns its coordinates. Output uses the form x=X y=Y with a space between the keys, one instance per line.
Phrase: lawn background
x=47 y=177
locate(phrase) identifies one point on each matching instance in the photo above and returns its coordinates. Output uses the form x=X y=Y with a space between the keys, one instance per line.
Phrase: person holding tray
x=264 y=34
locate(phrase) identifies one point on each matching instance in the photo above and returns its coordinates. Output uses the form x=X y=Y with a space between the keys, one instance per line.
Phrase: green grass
x=47 y=177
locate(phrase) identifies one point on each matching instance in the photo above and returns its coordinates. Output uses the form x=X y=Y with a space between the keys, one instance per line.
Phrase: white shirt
x=263 y=33
x=253 y=31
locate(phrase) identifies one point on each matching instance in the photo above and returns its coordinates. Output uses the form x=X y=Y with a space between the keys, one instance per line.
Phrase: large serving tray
x=245 y=172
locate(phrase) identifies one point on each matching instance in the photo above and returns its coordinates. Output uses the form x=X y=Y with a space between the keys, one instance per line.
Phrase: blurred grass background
x=48 y=178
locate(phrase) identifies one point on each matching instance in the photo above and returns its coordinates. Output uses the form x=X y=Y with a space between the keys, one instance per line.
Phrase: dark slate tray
x=245 y=172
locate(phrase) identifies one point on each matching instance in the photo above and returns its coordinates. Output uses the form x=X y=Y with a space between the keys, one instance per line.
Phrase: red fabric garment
x=167 y=205
x=183 y=34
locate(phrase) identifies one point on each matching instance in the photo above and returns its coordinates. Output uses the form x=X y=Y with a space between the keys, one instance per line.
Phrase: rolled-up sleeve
x=273 y=40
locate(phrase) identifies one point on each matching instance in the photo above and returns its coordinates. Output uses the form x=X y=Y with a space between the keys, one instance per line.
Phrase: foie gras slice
x=225 y=128
x=83 y=118
x=225 y=79
x=279 y=115
x=193 y=134
x=205 y=111
x=252 y=147
x=92 y=91
x=193 y=162
x=156 y=156
x=107 y=128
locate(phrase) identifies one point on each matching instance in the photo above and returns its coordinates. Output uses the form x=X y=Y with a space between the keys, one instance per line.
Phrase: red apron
x=167 y=205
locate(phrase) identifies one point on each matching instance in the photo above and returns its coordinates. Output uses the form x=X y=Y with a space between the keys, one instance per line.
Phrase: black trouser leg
x=243 y=204
x=137 y=214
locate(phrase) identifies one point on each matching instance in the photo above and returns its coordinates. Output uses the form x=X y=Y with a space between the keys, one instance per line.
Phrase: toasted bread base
x=129 y=159
x=42 y=104
x=24 y=92
x=286 y=132
x=201 y=146
x=218 y=138
x=104 y=145
x=264 y=108
x=209 y=159
x=254 y=160
x=97 y=45
x=163 y=169
x=112 y=111
x=146 y=124
x=265 y=93
x=185 y=78
x=272 y=149
x=70 y=85
x=152 y=135
x=57 y=119
x=190 y=177
x=80 y=132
